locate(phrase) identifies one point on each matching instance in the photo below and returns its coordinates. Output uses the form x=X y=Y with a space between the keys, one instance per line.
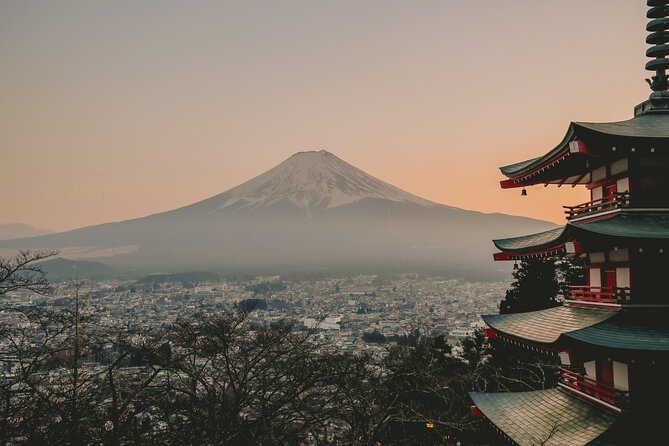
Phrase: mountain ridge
x=309 y=180
x=311 y=212
x=11 y=231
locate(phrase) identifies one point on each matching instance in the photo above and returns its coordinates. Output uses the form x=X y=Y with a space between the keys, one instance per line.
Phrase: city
x=340 y=309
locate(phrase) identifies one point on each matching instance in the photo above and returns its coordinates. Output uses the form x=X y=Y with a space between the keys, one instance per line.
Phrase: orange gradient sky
x=115 y=110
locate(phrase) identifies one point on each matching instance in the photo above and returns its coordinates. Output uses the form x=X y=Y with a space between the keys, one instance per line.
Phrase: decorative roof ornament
x=658 y=37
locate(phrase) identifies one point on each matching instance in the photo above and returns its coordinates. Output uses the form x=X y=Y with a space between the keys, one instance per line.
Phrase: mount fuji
x=312 y=213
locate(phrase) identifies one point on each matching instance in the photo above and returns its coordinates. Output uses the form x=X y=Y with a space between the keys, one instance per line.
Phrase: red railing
x=599 y=294
x=593 y=388
x=615 y=201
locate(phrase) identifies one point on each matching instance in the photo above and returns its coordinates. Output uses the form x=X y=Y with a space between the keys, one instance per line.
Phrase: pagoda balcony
x=615 y=201
x=599 y=294
x=593 y=390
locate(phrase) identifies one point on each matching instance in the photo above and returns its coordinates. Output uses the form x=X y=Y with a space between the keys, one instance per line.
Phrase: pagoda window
x=596 y=193
x=565 y=358
x=620 y=166
x=590 y=369
x=623 y=184
x=619 y=255
x=595 y=275
x=597 y=257
x=620 y=376
x=622 y=277
x=599 y=174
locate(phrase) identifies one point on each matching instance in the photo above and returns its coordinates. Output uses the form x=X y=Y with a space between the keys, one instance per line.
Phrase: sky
x=116 y=110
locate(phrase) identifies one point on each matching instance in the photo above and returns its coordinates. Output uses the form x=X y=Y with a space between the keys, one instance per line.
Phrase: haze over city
x=350 y=223
x=112 y=111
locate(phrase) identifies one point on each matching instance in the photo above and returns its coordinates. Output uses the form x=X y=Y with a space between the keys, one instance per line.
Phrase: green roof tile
x=644 y=126
x=626 y=224
x=532 y=242
x=546 y=326
x=638 y=129
x=528 y=417
x=629 y=224
x=639 y=330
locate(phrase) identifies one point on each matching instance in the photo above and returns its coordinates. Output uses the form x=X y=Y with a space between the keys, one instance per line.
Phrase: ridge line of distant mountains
x=313 y=214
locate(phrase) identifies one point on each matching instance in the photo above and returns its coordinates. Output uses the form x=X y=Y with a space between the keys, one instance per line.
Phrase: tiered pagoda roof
x=612 y=334
x=546 y=326
x=586 y=145
x=628 y=226
x=528 y=418
x=637 y=330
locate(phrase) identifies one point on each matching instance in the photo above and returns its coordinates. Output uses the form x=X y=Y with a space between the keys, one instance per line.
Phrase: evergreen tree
x=570 y=272
x=535 y=287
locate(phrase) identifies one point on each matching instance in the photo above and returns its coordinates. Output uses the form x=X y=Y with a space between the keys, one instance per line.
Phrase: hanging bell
x=523 y=193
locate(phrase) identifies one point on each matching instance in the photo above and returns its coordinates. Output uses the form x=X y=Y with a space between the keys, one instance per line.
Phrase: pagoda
x=611 y=335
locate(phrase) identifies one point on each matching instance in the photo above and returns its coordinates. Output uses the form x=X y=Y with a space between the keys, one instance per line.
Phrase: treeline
x=407 y=340
x=225 y=380
x=222 y=379
x=265 y=288
x=187 y=280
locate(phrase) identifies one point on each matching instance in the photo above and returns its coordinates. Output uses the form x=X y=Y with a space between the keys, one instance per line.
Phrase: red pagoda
x=611 y=335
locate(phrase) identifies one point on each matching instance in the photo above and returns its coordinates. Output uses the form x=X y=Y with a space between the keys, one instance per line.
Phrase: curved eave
x=565 y=164
x=643 y=228
x=533 y=242
x=644 y=128
x=546 y=326
x=653 y=226
x=527 y=418
x=633 y=330
x=525 y=167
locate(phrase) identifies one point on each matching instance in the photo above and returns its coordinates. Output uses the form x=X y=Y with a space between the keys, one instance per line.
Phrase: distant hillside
x=9 y=231
x=185 y=278
x=60 y=269
x=311 y=214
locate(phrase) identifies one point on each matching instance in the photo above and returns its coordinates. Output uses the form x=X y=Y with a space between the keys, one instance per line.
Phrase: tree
x=237 y=382
x=23 y=272
x=535 y=287
x=570 y=272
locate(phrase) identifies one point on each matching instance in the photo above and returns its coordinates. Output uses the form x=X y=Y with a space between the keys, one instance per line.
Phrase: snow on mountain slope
x=310 y=180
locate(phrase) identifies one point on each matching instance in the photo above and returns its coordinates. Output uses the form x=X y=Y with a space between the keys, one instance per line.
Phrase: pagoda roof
x=546 y=326
x=628 y=224
x=533 y=242
x=633 y=329
x=589 y=140
x=528 y=418
x=647 y=127
x=638 y=330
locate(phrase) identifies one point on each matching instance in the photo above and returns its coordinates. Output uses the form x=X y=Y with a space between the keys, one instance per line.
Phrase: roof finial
x=659 y=36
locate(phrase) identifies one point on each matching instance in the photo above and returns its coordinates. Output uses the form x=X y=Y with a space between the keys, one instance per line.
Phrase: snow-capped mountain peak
x=313 y=180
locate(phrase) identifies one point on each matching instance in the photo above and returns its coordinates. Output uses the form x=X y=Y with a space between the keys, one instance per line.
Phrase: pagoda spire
x=658 y=27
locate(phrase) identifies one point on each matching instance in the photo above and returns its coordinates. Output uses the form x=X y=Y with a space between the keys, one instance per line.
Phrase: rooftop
x=634 y=329
x=628 y=225
x=546 y=326
x=528 y=418
x=587 y=144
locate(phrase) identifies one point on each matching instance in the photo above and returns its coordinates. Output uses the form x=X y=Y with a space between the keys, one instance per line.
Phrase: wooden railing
x=593 y=388
x=615 y=201
x=599 y=294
